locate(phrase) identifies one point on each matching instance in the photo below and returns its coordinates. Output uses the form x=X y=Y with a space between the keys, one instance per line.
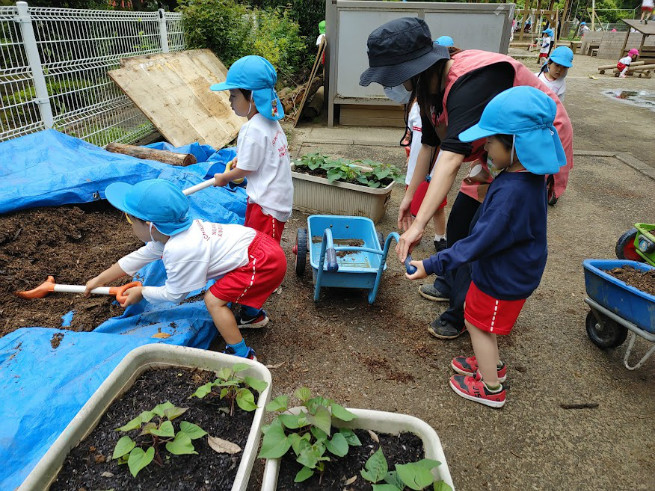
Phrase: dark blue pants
x=463 y=216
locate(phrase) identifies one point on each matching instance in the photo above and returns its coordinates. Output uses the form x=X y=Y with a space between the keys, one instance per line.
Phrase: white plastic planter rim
x=381 y=422
x=122 y=378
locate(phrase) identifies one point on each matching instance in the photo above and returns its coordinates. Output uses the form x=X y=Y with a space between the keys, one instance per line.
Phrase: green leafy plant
x=415 y=475
x=365 y=172
x=157 y=432
x=233 y=388
x=308 y=434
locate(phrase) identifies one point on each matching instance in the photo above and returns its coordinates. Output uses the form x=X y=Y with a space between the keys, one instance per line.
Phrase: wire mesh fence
x=54 y=64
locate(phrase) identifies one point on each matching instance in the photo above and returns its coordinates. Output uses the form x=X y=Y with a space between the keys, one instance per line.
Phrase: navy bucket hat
x=528 y=114
x=399 y=50
x=153 y=200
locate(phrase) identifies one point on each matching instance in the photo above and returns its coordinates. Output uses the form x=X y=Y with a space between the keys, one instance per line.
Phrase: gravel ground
x=381 y=356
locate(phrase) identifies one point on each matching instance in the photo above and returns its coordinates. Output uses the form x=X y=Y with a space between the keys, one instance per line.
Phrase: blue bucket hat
x=562 y=55
x=446 y=41
x=528 y=114
x=548 y=31
x=153 y=200
x=257 y=74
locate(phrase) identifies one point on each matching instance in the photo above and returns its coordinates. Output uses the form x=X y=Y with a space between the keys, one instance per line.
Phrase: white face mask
x=150 y=231
x=398 y=94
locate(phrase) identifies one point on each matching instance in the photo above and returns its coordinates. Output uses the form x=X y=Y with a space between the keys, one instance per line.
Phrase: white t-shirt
x=202 y=252
x=545 y=45
x=647 y=3
x=415 y=124
x=262 y=149
x=319 y=39
x=626 y=60
x=558 y=86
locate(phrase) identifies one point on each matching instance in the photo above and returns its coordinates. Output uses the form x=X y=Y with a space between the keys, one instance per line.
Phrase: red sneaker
x=475 y=390
x=468 y=366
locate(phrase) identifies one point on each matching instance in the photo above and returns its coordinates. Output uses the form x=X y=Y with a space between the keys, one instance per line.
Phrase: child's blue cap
x=446 y=41
x=548 y=31
x=562 y=55
x=527 y=113
x=153 y=200
x=257 y=74
x=583 y=23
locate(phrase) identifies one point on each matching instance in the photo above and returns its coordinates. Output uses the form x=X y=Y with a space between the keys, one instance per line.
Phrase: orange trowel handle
x=119 y=291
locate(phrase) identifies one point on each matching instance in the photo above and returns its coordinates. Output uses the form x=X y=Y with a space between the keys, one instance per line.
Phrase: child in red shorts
x=248 y=265
x=507 y=246
x=262 y=155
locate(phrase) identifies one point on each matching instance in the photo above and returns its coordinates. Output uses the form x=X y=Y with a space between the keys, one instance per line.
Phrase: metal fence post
x=33 y=58
x=163 y=34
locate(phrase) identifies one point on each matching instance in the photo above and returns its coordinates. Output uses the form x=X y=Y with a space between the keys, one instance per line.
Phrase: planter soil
x=398 y=449
x=89 y=465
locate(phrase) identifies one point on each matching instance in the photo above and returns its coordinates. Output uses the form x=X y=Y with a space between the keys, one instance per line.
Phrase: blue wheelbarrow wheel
x=625 y=246
x=301 y=251
x=608 y=334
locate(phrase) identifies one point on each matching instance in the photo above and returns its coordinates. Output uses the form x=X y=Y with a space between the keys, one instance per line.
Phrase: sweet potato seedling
x=153 y=434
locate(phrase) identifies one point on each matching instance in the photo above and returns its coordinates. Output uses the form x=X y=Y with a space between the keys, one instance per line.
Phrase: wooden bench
x=591 y=47
x=574 y=45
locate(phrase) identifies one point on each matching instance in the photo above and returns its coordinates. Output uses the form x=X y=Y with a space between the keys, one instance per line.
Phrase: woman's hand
x=405 y=217
x=408 y=240
x=419 y=273
x=134 y=295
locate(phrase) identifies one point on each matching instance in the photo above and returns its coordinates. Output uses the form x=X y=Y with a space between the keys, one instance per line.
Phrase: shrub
x=233 y=30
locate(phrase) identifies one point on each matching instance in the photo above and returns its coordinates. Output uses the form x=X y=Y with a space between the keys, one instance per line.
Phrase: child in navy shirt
x=507 y=245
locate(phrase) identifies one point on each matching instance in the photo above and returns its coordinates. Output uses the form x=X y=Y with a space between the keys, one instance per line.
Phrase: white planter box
x=313 y=194
x=122 y=378
x=380 y=422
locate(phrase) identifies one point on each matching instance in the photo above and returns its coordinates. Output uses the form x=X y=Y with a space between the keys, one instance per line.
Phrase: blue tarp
x=43 y=387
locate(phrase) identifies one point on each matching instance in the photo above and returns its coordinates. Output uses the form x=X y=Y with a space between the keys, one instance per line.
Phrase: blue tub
x=625 y=301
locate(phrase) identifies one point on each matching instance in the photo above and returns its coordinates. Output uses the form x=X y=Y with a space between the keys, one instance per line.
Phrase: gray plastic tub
x=121 y=379
x=380 y=422
x=313 y=194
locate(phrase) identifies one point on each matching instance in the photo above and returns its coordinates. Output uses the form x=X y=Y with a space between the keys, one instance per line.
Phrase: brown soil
x=398 y=449
x=90 y=466
x=71 y=243
x=641 y=280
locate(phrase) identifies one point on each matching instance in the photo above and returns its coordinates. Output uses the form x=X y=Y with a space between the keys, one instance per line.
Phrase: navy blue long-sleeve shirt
x=507 y=246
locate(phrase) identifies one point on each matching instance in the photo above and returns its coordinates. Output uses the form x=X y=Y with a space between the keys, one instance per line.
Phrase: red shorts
x=260 y=221
x=620 y=66
x=253 y=283
x=543 y=55
x=419 y=195
x=490 y=314
x=646 y=9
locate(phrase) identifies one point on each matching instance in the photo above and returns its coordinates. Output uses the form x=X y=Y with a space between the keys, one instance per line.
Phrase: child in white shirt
x=544 y=49
x=413 y=138
x=262 y=154
x=553 y=73
x=248 y=265
x=624 y=63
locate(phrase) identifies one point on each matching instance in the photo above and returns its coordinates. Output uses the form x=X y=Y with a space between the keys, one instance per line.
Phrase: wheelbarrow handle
x=411 y=269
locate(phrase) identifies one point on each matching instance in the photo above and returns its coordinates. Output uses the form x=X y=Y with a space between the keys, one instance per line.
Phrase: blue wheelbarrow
x=344 y=252
x=618 y=308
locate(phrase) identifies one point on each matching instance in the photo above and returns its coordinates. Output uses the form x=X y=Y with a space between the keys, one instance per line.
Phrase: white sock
x=439 y=237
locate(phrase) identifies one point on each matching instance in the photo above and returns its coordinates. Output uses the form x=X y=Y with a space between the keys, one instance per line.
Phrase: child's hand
x=420 y=271
x=221 y=180
x=134 y=295
x=91 y=284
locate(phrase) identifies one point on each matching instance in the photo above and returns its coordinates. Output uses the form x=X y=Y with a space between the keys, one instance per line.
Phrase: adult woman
x=452 y=88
